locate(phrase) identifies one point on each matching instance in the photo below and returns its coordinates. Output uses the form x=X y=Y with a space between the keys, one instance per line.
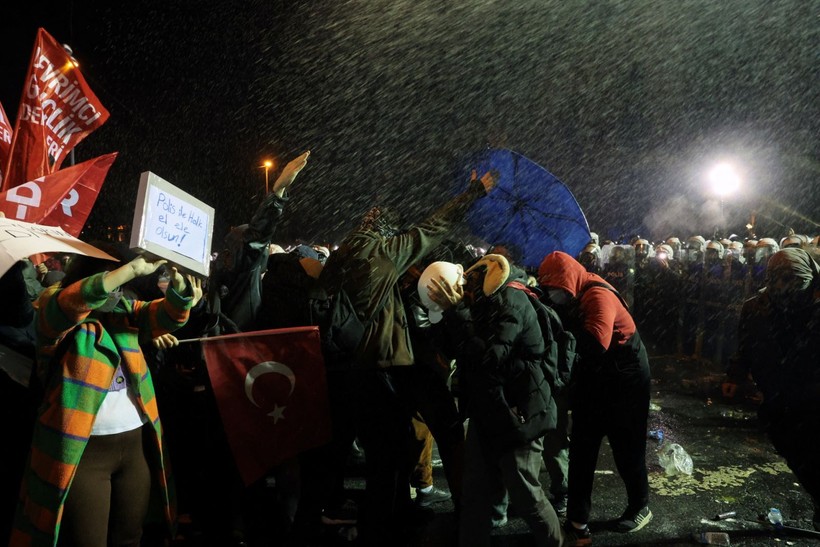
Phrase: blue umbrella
x=529 y=209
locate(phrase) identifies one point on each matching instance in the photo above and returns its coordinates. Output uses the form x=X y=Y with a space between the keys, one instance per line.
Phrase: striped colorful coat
x=76 y=386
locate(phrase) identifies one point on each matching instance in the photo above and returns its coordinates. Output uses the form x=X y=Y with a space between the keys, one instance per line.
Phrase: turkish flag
x=5 y=141
x=57 y=111
x=271 y=391
x=63 y=199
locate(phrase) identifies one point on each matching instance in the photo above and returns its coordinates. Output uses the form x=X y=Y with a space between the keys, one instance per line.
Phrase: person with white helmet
x=791 y=240
x=764 y=249
x=693 y=279
x=662 y=301
x=642 y=288
x=695 y=247
x=713 y=300
x=590 y=258
x=677 y=247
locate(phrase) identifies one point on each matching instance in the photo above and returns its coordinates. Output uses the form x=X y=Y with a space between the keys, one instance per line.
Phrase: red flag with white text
x=64 y=198
x=5 y=141
x=271 y=391
x=57 y=111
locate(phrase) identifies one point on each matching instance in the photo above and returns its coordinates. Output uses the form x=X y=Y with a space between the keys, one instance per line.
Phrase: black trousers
x=108 y=499
x=611 y=402
x=383 y=402
x=792 y=431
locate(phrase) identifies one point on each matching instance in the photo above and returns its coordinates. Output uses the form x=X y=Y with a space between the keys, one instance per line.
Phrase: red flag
x=61 y=199
x=5 y=141
x=56 y=112
x=271 y=391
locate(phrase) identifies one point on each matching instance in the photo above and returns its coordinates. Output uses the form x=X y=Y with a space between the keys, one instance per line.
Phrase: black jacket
x=236 y=289
x=498 y=345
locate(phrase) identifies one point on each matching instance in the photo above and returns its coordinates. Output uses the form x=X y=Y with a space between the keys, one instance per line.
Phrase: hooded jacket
x=603 y=322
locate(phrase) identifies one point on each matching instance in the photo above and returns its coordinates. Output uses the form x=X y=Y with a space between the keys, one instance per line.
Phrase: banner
x=57 y=111
x=271 y=391
x=5 y=141
x=63 y=199
x=21 y=239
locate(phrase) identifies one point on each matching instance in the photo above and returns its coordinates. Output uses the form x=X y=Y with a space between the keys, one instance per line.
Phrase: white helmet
x=736 y=249
x=642 y=247
x=793 y=240
x=715 y=246
x=664 y=252
x=764 y=249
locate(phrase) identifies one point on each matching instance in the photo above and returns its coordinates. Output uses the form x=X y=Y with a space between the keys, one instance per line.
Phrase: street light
x=266 y=166
x=725 y=182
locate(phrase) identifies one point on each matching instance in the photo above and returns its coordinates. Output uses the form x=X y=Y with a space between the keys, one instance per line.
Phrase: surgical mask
x=559 y=296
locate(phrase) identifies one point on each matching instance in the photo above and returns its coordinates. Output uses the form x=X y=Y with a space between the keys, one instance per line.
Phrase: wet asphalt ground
x=734 y=469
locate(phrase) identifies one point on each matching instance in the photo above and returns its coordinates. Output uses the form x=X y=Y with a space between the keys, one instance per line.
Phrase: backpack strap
x=603 y=285
x=521 y=287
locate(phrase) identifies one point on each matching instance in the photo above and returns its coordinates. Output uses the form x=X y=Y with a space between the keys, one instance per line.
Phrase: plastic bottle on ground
x=775 y=517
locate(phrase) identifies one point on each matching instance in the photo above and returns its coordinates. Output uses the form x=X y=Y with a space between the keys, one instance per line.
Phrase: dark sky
x=628 y=102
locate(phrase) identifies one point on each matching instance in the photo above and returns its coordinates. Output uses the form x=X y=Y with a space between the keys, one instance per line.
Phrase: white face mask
x=559 y=296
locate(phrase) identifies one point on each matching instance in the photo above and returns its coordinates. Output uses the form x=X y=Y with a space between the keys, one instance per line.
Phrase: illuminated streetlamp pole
x=725 y=181
x=267 y=165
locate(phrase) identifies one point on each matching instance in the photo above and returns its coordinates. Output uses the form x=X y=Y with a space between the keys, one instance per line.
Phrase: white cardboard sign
x=20 y=239
x=172 y=224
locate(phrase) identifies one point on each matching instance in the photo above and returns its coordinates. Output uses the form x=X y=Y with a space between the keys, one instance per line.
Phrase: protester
x=506 y=397
x=610 y=396
x=779 y=344
x=236 y=293
x=379 y=387
x=98 y=424
x=228 y=514
x=19 y=385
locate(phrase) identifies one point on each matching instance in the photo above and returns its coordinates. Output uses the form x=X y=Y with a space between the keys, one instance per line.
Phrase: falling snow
x=628 y=102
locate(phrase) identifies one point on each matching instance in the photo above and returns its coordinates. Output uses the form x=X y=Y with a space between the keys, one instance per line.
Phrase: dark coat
x=236 y=281
x=368 y=266
x=498 y=345
x=781 y=350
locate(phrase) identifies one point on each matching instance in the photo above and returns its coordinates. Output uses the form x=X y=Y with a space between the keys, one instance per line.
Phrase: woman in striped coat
x=97 y=455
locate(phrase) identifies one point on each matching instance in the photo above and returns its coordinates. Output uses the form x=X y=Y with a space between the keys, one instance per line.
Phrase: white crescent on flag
x=269 y=367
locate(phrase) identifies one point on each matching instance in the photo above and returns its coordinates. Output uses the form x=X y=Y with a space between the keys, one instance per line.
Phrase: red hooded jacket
x=604 y=316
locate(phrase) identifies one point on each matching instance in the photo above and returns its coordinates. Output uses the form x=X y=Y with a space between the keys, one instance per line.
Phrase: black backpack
x=560 y=354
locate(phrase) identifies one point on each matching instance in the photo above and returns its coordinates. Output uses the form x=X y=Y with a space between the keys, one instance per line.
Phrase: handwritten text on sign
x=176 y=225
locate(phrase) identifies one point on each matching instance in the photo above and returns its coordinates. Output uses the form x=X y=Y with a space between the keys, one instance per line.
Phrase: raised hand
x=136 y=268
x=142 y=267
x=196 y=288
x=488 y=179
x=289 y=173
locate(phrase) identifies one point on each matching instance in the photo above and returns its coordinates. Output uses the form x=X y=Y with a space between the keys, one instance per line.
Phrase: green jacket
x=77 y=380
x=368 y=267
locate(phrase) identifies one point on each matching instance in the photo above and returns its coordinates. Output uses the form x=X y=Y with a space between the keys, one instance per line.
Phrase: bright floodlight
x=724 y=179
